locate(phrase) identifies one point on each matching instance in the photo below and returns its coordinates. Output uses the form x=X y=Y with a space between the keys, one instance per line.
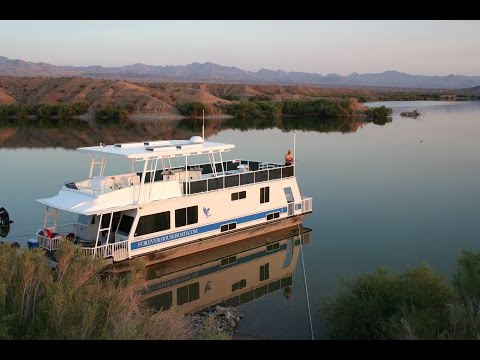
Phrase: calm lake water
x=395 y=195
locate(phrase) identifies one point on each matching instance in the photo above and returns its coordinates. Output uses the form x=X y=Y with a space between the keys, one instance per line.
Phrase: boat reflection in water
x=229 y=275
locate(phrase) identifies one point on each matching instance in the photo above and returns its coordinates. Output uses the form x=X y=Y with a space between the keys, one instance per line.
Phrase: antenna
x=294 y=155
x=203 y=125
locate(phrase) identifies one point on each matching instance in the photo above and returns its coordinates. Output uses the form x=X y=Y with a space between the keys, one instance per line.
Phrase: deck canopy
x=158 y=148
x=77 y=202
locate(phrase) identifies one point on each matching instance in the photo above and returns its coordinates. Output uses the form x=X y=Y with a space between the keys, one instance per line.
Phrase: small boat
x=164 y=205
x=4 y=217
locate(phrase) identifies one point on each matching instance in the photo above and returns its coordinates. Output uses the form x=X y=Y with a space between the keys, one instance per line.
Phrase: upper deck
x=159 y=180
x=158 y=149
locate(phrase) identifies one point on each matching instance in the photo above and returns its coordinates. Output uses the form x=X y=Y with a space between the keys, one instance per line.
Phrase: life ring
x=47 y=233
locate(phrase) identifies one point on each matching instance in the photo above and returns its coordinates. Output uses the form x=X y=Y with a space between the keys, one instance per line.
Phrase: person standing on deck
x=288 y=158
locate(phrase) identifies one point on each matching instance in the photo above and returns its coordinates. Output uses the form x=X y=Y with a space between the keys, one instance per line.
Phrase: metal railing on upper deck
x=255 y=172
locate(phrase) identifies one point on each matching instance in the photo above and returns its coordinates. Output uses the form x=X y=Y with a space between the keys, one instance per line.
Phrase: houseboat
x=229 y=275
x=166 y=202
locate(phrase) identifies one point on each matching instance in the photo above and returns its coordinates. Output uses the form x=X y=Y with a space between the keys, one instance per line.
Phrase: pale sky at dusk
x=415 y=47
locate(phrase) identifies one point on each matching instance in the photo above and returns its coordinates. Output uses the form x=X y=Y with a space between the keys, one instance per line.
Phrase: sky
x=324 y=47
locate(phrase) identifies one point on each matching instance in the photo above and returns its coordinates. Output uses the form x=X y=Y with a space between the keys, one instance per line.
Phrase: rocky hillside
x=152 y=98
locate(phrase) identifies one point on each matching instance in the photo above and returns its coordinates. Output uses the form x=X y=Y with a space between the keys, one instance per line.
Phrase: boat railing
x=58 y=233
x=307 y=204
x=117 y=250
x=48 y=243
x=265 y=172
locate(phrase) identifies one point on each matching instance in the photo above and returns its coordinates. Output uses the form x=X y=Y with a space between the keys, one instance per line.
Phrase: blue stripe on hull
x=199 y=230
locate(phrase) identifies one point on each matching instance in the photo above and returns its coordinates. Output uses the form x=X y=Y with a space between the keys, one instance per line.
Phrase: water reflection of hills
x=31 y=133
x=230 y=275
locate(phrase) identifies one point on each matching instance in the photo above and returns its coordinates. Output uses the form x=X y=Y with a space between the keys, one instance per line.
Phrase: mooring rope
x=306 y=288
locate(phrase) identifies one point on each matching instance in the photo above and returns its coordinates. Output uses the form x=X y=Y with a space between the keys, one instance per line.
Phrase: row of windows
x=228 y=260
x=185 y=294
x=227 y=227
x=272 y=247
x=274 y=215
x=191 y=292
x=153 y=223
x=239 y=195
x=239 y=285
x=186 y=216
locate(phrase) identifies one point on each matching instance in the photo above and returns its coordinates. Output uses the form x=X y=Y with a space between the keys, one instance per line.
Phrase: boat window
x=274 y=286
x=192 y=215
x=180 y=217
x=274 y=215
x=260 y=291
x=272 y=247
x=186 y=216
x=264 y=194
x=226 y=227
x=188 y=293
x=264 y=272
x=125 y=225
x=153 y=223
x=228 y=260
x=239 y=195
x=247 y=296
x=162 y=301
x=83 y=219
x=239 y=285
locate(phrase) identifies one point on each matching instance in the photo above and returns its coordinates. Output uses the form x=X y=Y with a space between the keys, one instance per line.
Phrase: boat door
x=290 y=200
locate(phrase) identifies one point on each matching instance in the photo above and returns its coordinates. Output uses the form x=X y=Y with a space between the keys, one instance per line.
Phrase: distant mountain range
x=210 y=72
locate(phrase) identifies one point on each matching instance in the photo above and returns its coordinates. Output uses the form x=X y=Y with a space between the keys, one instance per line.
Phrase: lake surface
x=395 y=195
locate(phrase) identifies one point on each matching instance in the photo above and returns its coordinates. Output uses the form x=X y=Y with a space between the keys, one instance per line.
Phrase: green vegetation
x=413 y=114
x=405 y=96
x=418 y=304
x=325 y=108
x=115 y=115
x=259 y=98
x=75 y=302
x=343 y=125
x=191 y=109
x=378 y=113
x=317 y=108
x=254 y=109
x=44 y=111
x=44 y=116
x=264 y=107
